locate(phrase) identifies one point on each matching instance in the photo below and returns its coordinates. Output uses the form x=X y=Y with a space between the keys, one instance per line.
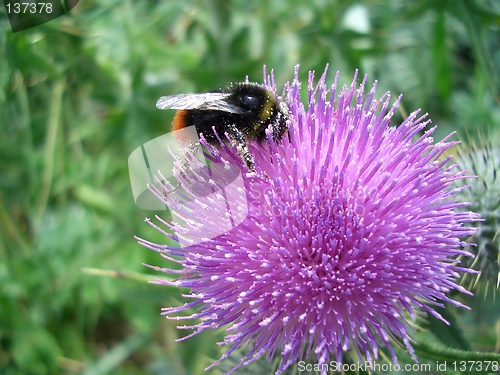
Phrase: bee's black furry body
x=243 y=110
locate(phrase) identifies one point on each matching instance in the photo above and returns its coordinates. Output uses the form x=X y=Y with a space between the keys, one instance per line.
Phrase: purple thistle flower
x=349 y=227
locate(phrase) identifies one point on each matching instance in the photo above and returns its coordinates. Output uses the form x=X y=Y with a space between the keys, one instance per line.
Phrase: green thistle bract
x=484 y=196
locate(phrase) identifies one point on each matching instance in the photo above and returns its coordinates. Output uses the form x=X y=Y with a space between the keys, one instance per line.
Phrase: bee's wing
x=207 y=101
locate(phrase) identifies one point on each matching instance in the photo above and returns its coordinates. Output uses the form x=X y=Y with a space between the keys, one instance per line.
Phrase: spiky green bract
x=484 y=195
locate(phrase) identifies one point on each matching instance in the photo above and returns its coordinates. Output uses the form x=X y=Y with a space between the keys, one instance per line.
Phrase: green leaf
x=456 y=357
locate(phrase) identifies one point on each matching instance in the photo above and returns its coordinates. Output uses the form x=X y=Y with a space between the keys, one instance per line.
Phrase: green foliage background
x=77 y=96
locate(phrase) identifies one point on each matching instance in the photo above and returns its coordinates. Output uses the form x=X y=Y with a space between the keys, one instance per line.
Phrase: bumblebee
x=242 y=110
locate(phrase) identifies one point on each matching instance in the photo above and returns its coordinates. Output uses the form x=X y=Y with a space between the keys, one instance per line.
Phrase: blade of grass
x=54 y=120
x=117 y=355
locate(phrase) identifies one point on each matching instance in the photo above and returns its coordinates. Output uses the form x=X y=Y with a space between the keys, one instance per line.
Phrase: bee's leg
x=166 y=193
x=242 y=146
